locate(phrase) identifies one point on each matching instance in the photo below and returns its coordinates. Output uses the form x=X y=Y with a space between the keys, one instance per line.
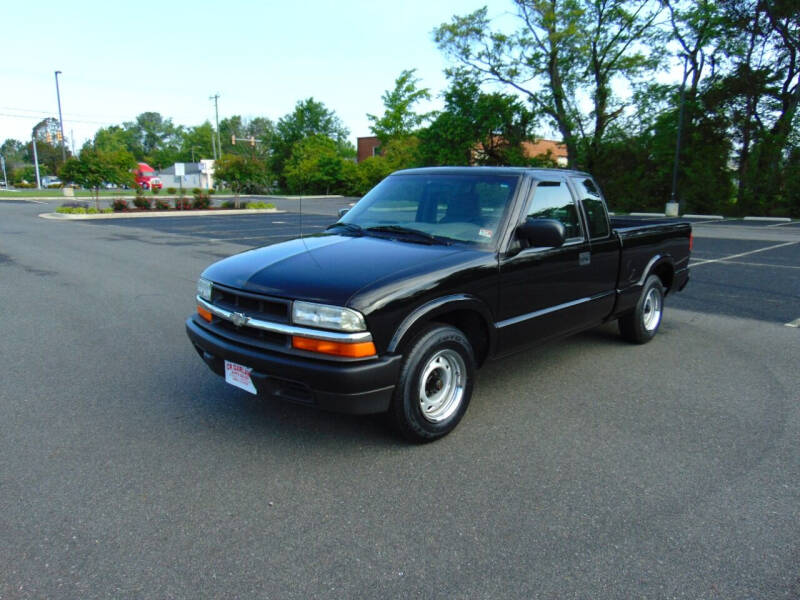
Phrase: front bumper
x=348 y=387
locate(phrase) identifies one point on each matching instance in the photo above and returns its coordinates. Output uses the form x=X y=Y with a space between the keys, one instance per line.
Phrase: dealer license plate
x=238 y=375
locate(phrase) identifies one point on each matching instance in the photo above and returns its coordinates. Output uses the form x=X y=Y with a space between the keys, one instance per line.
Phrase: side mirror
x=343 y=212
x=547 y=233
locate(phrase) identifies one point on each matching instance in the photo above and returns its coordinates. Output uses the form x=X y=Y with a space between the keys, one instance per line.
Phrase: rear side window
x=594 y=208
x=552 y=200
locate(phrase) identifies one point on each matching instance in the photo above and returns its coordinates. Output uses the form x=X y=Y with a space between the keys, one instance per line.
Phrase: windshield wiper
x=351 y=227
x=431 y=239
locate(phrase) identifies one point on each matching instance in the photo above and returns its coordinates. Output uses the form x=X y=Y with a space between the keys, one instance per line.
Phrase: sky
x=118 y=60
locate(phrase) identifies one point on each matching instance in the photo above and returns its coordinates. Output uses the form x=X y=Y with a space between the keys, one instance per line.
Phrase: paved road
x=586 y=469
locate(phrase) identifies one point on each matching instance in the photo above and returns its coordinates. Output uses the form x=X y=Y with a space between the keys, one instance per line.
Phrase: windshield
x=459 y=207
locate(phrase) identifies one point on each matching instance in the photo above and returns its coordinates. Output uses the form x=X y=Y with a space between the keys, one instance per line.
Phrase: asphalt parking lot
x=587 y=468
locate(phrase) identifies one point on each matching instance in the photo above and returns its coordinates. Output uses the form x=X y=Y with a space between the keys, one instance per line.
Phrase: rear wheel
x=641 y=325
x=435 y=384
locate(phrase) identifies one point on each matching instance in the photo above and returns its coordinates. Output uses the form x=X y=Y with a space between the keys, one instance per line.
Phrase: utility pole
x=5 y=177
x=60 y=120
x=72 y=139
x=36 y=161
x=217 y=151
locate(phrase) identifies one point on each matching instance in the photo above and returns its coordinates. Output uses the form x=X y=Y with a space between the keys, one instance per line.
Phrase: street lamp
x=60 y=120
x=674 y=205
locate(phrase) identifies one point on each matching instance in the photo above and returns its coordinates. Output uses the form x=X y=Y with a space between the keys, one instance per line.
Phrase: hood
x=328 y=269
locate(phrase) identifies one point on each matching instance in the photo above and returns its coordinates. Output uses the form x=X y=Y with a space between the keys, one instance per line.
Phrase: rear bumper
x=348 y=387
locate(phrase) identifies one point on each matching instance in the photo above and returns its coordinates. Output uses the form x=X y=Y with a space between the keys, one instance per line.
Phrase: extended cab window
x=552 y=200
x=594 y=208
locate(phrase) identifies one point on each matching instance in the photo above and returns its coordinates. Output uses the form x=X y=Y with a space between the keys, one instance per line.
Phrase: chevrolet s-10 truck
x=395 y=306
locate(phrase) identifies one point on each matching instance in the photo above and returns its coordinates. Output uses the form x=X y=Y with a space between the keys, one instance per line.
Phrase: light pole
x=60 y=120
x=36 y=161
x=5 y=177
x=215 y=98
x=673 y=200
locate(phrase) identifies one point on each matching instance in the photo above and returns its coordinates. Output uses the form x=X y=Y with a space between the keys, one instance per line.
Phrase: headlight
x=204 y=289
x=327 y=317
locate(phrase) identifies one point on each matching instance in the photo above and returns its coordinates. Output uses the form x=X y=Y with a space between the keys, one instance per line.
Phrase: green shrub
x=142 y=203
x=162 y=204
x=155 y=190
x=196 y=191
x=259 y=205
x=228 y=204
x=212 y=191
x=119 y=205
x=182 y=203
x=171 y=191
x=73 y=210
x=201 y=202
x=92 y=211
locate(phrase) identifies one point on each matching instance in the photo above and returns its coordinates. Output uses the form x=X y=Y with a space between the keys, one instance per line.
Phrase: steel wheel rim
x=651 y=311
x=441 y=386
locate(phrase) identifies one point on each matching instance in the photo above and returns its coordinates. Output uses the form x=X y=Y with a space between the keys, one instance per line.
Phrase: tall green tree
x=309 y=118
x=562 y=48
x=260 y=129
x=196 y=143
x=399 y=118
x=315 y=166
x=476 y=127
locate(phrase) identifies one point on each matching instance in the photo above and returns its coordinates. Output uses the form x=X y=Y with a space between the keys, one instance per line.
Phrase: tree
x=196 y=143
x=94 y=168
x=562 y=48
x=260 y=129
x=242 y=174
x=476 y=127
x=154 y=139
x=309 y=118
x=315 y=166
x=399 y=119
x=116 y=138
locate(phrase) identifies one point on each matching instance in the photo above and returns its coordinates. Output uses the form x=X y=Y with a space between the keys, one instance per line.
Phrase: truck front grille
x=262 y=308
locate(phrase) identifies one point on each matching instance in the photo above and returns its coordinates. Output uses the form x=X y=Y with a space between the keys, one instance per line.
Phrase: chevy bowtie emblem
x=239 y=319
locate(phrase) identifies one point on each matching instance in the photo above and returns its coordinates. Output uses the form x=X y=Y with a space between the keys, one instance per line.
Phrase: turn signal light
x=204 y=313
x=345 y=349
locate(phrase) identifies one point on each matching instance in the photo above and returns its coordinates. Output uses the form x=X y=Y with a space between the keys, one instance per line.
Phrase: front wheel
x=642 y=324
x=435 y=384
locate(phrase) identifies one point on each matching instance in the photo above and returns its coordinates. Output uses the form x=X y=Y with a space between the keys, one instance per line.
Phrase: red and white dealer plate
x=238 y=375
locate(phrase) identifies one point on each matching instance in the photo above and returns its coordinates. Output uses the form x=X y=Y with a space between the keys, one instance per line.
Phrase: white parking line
x=767 y=265
x=724 y=258
x=783 y=224
x=795 y=323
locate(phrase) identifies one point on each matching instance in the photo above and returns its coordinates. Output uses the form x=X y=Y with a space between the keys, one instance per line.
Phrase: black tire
x=435 y=384
x=641 y=325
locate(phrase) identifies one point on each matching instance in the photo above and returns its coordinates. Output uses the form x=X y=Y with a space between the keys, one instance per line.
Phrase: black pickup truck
x=394 y=306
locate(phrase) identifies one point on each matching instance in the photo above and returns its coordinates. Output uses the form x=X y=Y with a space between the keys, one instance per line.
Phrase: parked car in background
x=51 y=181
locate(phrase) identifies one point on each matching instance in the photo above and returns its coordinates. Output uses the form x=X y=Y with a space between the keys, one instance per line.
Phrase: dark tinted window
x=463 y=207
x=552 y=200
x=594 y=208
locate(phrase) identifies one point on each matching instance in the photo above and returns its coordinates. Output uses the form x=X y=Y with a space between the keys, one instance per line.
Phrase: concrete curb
x=771 y=219
x=644 y=214
x=156 y=214
x=716 y=217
